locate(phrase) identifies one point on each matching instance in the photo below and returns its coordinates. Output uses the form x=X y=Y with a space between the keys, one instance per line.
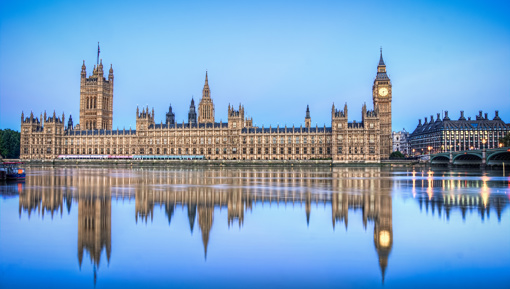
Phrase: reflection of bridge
x=482 y=157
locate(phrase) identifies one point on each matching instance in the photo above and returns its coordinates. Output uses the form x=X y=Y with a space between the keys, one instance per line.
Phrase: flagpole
x=98 y=50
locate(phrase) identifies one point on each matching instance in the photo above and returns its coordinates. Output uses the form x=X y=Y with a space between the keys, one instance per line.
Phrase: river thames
x=255 y=228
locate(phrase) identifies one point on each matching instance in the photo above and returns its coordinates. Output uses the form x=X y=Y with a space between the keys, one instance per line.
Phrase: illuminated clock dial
x=383 y=91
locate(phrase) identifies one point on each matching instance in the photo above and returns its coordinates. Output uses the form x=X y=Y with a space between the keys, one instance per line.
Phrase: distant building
x=457 y=135
x=401 y=141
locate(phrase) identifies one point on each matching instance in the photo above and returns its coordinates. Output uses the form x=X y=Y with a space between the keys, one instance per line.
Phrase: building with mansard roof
x=365 y=141
x=445 y=134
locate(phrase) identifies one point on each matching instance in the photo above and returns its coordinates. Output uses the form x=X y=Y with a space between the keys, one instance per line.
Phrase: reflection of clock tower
x=383 y=231
x=381 y=93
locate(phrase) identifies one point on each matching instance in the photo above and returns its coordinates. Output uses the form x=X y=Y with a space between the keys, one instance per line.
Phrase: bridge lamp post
x=483 y=153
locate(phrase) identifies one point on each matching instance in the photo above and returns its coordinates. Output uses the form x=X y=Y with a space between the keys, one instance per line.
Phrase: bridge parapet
x=496 y=156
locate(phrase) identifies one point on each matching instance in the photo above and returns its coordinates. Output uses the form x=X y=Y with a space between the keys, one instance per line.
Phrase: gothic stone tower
x=96 y=99
x=381 y=93
x=206 y=106
x=308 y=120
x=192 y=114
x=170 y=116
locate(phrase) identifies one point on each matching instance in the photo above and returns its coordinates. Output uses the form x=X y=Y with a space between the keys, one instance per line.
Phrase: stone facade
x=367 y=141
x=401 y=141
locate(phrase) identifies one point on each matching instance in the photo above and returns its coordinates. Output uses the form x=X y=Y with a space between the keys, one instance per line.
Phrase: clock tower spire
x=382 y=94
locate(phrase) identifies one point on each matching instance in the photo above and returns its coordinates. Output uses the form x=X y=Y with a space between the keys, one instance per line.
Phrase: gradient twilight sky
x=274 y=57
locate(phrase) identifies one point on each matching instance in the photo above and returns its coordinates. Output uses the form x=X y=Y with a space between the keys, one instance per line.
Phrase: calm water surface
x=255 y=228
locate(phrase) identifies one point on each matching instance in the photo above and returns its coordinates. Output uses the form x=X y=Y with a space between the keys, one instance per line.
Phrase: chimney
x=446 y=115
x=486 y=115
x=425 y=120
x=462 y=115
x=419 y=122
x=438 y=117
x=497 y=115
x=431 y=118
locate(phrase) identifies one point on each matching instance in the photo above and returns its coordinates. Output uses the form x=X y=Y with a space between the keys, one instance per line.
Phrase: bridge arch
x=467 y=159
x=440 y=159
x=498 y=158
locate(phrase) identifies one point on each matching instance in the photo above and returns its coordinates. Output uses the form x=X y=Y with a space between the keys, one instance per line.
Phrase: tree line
x=9 y=143
x=505 y=141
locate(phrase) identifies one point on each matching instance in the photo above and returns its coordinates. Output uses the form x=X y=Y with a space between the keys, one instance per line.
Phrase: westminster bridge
x=480 y=157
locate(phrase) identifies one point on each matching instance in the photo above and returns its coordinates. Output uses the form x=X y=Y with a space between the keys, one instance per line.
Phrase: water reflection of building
x=238 y=191
x=43 y=193
x=346 y=189
x=366 y=190
x=94 y=227
x=439 y=194
x=201 y=192
x=39 y=198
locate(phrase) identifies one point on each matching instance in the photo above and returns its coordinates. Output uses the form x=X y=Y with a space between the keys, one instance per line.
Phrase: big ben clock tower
x=381 y=93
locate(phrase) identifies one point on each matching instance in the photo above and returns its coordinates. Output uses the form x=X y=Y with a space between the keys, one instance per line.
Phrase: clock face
x=383 y=91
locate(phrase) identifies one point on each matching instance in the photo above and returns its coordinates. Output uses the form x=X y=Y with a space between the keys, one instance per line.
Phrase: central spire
x=206 y=106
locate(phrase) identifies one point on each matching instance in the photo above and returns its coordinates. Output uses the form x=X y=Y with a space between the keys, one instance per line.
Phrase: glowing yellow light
x=384 y=238
x=429 y=192
x=485 y=198
x=485 y=191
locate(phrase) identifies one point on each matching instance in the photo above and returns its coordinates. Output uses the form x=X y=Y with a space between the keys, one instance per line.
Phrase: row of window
x=179 y=151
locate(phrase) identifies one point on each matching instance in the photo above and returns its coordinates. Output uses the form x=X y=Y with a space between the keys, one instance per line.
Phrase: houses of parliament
x=49 y=136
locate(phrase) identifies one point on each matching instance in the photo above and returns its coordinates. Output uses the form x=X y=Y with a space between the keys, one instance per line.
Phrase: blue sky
x=274 y=57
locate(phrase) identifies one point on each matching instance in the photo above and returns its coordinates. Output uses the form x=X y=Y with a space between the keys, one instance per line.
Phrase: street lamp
x=484 y=141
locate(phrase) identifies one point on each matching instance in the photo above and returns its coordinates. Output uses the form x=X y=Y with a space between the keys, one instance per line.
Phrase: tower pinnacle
x=381 y=61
